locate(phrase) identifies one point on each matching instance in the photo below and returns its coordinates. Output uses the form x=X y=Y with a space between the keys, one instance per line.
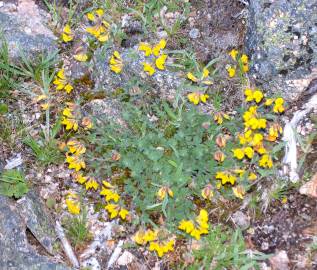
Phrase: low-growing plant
x=45 y=152
x=224 y=249
x=12 y=184
x=77 y=229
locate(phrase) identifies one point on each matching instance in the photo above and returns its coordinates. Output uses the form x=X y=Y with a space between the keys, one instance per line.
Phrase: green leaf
x=12 y=184
x=3 y=108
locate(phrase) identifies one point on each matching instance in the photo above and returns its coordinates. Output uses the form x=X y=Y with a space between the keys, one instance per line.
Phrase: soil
x=290 y=227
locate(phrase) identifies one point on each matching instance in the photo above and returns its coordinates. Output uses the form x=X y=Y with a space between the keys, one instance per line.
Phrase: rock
x=282 y=42
x=15 y=251
x=23 y=27
x=163 y=83
x=105 y=108
x=310 y=188
x=280 y=261
x=38 y=220
x=241 y=220
x=126 y=258
x=194 y=33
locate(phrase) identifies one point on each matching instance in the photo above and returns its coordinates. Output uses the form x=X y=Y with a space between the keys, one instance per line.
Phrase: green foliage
x=176 y=152
x=45 y=152
x=225 y=250
x=12 y=184
x=7 y=75
x=77 y=229
x=3 y=108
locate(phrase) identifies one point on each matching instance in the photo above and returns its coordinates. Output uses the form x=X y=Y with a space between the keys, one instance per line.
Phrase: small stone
x=162 y=34
x=126 y=258
x=310 y=188
x=241 y=220
x=280 y=261
x=194 y=33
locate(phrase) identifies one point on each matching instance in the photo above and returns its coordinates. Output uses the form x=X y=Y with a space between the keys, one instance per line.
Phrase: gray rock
x=23 y=27
x=282 y=41
x=241 y=220
x=164 y=83
x=15 y=251
x=194 y=33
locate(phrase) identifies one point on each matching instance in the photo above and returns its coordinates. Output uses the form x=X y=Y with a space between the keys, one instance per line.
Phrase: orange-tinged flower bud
x=221 y=141
x=219 y=156
x=207 y=192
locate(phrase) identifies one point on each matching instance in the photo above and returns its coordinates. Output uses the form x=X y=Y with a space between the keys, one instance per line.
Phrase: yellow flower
x=156 y=50
x=257 y=96
x=123 y=213
x=249 y=94
x=91 y=184
x=231 y=71
x=198 y=228
x=238 y=153
x=75 y=162
x=259 y=148
x=45 y=106
x=162 y=247
x=204 y=75
x=207 y=192
x=139 y=237
x=266 y=161
x=252 y=176
x=233 y=53
x=257 y=139
x=244 y=59
x=239 y=192
x=146 y=48
x=61 y=82
x=110 y=195
x=116 y=63
x=158 y=47
x=81 y=57
x=269 y=102
x=73 y=204
x=114 y=210
x=160 y=62
x=148 y=68
x=196 y=98
x=186 y=226
x=70 y=123
x=245 y=68
x=80 y=178
x=163 y=191
x=278 y=105
x=225 y=177
x=100 y=29
x=241 y=172
x=248 y=151
x=150 y=235
x=76 y=147
x=219 y=116
x=192 y=77
x=67 y=34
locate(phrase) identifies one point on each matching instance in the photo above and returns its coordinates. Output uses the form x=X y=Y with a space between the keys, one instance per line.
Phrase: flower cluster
x=74 y=156
x=158 y=240
x=71 y=118
x=198 y=227
x=62 y=83
x=116 y=210
x=72 y=203
x=156 y=51
x=242 y=61
x=67 y=34
x=100 y=27
x=116 y=63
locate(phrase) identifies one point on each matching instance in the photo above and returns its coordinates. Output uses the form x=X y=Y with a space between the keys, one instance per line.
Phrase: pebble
x=194 y=33
x=241 y=220
x=126 y=258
